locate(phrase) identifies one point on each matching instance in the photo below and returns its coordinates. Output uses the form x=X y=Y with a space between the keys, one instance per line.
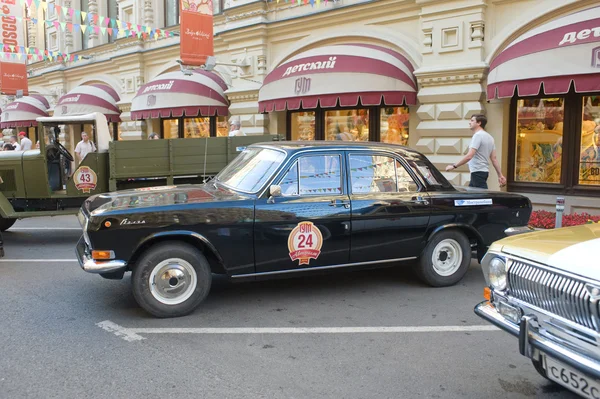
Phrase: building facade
x=403 y=71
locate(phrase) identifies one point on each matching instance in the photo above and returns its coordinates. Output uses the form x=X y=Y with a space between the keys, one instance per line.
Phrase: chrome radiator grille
x=556 y=293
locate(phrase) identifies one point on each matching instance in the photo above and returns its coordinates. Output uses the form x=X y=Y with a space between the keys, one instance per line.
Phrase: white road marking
x=38 y=260
x=127 y=333
x=119 y=331
x=44 y=228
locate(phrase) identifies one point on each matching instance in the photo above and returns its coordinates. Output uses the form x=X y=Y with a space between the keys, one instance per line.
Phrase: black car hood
x=160 y=196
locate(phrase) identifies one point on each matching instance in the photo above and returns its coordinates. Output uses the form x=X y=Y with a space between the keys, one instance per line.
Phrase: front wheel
x=446 y=259
x=171 y=279
x=6 y=223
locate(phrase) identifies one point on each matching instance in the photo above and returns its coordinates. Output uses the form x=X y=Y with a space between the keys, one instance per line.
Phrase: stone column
x=69 y=35
x=95 y=39
x=148 y=13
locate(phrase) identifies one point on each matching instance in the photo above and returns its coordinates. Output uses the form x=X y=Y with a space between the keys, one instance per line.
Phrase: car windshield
x=251 y=169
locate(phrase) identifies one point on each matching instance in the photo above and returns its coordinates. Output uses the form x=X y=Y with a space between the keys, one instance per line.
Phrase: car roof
x=294 y=146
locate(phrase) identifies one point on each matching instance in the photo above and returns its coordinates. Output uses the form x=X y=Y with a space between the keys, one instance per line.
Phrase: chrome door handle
x=420 y=200
x=346 y=204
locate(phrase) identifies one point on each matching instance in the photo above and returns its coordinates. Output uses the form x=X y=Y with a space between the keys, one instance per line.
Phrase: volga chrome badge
x=594 y=291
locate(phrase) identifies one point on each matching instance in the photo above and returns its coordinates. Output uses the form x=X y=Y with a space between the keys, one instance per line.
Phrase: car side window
x=313 y=175
x=289 y=184
x=379 y=174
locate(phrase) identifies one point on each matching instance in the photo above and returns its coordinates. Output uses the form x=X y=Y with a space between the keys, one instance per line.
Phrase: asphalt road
x=69 y=334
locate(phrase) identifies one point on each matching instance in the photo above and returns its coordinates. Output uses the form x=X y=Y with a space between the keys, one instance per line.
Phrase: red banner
x=13 y=77
x=196 y=34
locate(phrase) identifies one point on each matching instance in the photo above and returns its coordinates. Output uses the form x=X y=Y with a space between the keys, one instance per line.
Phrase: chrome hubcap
x=173 y=281
x=447 y=257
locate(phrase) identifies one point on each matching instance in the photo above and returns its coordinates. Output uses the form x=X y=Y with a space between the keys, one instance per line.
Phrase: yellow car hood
x=573 y=249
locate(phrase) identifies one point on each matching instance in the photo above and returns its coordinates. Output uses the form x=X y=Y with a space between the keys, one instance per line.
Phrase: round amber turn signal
x=107 y=224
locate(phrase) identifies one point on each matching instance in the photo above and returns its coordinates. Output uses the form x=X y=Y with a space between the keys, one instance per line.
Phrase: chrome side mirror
x=274 y=191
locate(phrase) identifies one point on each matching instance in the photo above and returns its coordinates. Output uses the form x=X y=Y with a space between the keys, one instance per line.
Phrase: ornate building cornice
x=428 y=78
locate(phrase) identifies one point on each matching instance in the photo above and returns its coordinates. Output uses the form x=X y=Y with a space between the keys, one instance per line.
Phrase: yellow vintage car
x=544 y=288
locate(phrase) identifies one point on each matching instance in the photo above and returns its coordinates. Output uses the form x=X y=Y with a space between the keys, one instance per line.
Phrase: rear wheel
x=171 y=279
x=6 y=223
x=446 y=259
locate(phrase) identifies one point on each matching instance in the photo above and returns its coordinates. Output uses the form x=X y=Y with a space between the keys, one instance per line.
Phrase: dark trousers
x=479 y=179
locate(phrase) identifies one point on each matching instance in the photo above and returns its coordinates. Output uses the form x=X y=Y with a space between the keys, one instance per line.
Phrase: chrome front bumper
x=529 y=339
x=91 y=266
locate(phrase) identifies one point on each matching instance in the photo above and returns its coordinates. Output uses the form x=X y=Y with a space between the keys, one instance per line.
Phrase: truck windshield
x=251 y=169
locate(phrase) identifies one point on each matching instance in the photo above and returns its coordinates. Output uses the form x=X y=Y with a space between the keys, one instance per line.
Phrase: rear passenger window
x=379 y=174
x=313 y=175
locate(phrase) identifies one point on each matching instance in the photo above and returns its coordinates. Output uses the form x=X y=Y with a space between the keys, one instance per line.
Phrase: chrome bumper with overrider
x=530 y=338
x=93 y=266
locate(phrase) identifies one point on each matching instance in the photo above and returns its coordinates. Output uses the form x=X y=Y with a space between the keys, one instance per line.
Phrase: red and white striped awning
x=344 y=73
x=23 y=111
x=556 y=54
x=176 y=94
x=90 y=98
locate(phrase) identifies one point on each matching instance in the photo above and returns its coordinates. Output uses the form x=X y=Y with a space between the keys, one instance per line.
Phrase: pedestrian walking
x=481 y=149
x=25 y=142
x=84 y=147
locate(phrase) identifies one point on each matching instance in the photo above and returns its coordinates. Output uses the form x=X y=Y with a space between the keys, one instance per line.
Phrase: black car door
x=309 y=224
x=389 y=213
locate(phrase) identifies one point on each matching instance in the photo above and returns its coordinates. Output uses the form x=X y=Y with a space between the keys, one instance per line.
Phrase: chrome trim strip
x=511 y=231
x=308 y=269
x=488 y=312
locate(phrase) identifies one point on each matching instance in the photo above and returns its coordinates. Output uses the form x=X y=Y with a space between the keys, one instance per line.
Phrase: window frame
x=572 y=124
x=296 y=161
x=177 y=14
x=180 y=126
x=410 y=173
x=374 y=119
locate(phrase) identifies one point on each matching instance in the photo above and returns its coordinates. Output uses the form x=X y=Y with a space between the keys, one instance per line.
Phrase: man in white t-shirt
x=481 y=148
x=25 y=142
x=235 y=129
x=15 y=143
x=84 y=147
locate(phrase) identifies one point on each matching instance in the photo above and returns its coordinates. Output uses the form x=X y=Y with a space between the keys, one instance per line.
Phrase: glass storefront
x=194 y=128
x=394 y=125
x=197 y=127
x=589 y=155
x=385 y=124
x=539 y=140
x=303 y=125
x=555 y=144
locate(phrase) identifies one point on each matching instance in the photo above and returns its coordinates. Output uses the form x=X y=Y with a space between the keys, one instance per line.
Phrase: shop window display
x=303 y=125
x=539 y=140
x=589 y=158
x=222 y=126
x=170 y=128
x=194 y=128
x=347 y=125
x=394 y=125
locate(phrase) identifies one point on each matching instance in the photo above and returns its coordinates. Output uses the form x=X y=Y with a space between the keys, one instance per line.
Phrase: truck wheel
x=171 y=279
x=6 y=223
x=446 y=259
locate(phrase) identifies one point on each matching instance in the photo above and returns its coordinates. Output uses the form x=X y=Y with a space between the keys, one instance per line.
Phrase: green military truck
x=51 y=180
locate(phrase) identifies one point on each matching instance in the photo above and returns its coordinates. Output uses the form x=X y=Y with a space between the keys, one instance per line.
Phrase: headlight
x=497 y=273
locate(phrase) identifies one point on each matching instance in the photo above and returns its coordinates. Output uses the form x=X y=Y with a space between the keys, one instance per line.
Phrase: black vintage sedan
x=288 y=208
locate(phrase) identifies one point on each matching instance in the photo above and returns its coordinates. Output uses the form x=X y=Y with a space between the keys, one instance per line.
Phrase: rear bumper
x=529 y=338
x=92 y=266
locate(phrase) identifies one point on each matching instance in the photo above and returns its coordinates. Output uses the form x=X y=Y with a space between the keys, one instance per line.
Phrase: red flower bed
x=545 y=219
